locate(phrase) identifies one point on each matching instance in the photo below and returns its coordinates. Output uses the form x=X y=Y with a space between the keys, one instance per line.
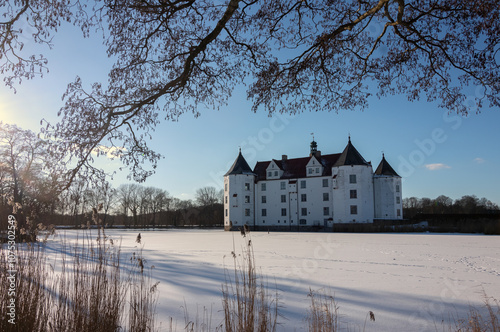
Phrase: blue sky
x=435 y=152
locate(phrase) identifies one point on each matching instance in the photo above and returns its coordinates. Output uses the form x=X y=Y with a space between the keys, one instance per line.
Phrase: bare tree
x=207 y=196
x=172 y=56
x=22 y=154
x=129 y=200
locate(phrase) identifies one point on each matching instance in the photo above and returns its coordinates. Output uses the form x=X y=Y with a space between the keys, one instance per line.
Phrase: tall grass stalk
x=322 y=315
x=88 y=293
x=143 y=297
x=486 y=319
x=247 y=304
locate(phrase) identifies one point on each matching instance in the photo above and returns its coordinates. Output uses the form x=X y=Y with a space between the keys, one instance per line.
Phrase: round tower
x=387 y=192
x=239 y=195
x=353 y=187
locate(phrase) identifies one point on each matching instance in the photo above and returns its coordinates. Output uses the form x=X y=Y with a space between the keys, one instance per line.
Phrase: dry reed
x=247 y=304
x=322 y=315
x=87 y=294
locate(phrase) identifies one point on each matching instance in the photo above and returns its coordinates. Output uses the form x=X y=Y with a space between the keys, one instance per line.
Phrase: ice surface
x=412 y=282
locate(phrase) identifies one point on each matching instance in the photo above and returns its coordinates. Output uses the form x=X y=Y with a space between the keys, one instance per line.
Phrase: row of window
x=303 y=185
x=352 y=179
x=353 y=194
x=270 y=173
x=303 y=197
x=313 y=170
x=303 y=212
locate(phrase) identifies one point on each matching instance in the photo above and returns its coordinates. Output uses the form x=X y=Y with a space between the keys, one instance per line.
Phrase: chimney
x=284 y=157
x=317 y=154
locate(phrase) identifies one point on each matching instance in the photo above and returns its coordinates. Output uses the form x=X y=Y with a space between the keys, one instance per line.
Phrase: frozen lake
x=412 y=282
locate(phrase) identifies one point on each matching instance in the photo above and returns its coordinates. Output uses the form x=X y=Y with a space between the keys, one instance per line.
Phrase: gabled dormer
x=314 y=167
x=274 y=170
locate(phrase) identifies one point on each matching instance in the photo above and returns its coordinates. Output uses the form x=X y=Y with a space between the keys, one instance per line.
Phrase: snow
x=411 y=282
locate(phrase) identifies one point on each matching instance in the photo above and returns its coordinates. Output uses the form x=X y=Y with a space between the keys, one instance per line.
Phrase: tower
x=239 y=194
x=353 y=187
x=387 y=192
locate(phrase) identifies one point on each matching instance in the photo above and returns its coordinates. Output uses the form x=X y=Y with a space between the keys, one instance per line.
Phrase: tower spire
x=314 y=146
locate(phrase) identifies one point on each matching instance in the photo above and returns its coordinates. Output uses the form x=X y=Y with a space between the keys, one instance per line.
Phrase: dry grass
x=485 y=319
x=322 y=315
x=87 y=294
x=247 y=304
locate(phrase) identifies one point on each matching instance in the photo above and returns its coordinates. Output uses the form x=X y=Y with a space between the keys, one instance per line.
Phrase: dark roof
x=350 y=156
x=296 y=168
x=240 y=166
x=385 y=169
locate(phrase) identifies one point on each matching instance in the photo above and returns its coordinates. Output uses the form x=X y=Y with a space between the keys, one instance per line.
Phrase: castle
x=314 y=191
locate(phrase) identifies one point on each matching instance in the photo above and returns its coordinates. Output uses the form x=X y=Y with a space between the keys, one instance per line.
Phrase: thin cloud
x=479 y=160
x=110 y=152
x=435 y=167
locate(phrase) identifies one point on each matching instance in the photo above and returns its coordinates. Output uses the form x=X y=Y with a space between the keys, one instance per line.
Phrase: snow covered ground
x=412 y=282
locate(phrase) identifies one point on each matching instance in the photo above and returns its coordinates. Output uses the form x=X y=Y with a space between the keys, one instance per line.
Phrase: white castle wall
x=388 y=199
x=239 y=198
x=342 y=201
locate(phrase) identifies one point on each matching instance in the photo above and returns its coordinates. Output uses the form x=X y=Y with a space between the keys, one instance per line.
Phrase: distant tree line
x=32 y=187
x=468 y=204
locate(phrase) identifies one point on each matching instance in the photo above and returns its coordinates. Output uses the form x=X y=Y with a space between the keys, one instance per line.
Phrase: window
x=303 y=212
x=302 y=221
x=283 y=212
x=303 y=184
x=247 y=212
x=264 y=212
x=310 y=170
x=225 y=198
x=354 y=209
x=283 y=198
x=275 y=173
x=397 y=188
x=326 y=211
x=225 y=186
x=247 y=186
x=247 y=199
x=226 y=212
x=263 y=186
x=326 y=197
x=352 y=178
x=264 y=199
x=282 y=185
x=399 y=213
x=325 y=183
x=353 y=194
x=398 y=200
x=269 y=174
x=303 y=198
x=317 y=170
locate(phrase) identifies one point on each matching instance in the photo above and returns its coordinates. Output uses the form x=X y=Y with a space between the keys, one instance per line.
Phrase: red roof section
x=296 y=168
